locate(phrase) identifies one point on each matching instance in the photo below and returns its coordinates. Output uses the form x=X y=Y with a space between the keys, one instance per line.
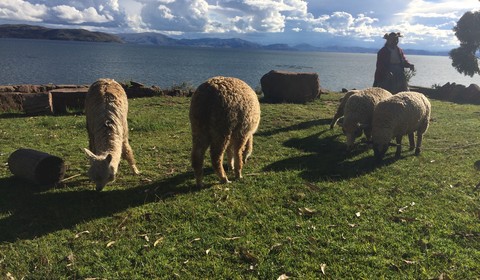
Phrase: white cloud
x=421 y=21
x=180 y=15
x=22 y=10
x=72 y=15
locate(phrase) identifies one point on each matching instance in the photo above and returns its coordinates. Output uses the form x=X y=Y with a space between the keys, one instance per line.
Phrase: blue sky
x=426 y=24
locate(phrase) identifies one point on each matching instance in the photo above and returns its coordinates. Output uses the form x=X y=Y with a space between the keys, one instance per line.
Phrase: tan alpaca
x=224 y=115
x=106 y=109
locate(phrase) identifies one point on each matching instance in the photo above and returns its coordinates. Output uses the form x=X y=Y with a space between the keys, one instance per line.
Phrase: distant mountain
x=342 y=49
x=24 y=31
x=163 y=40
x=157 y=39
x=149 y=38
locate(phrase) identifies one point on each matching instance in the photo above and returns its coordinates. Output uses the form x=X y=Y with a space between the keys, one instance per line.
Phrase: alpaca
x=106 y=109
x=224 y=115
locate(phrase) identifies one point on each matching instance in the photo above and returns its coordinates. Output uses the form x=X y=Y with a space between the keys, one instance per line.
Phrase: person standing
x=391 y=61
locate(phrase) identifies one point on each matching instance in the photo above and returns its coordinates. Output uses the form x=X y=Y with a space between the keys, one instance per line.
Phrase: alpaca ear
x=109 y=158
x=89 y=153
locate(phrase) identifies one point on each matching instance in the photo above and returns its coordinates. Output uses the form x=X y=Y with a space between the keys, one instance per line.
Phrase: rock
x=68 y=98
x=291 y=87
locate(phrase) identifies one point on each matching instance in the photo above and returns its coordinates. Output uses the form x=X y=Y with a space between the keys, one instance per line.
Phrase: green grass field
x=304 y=210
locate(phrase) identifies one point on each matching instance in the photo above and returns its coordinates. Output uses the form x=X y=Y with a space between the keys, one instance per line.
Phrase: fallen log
x=36 y=167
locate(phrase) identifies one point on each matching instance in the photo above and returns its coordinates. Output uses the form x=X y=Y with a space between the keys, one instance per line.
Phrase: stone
x=290 y=87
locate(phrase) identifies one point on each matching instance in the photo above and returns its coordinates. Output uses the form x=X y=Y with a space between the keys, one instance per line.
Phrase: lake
x=63 y=62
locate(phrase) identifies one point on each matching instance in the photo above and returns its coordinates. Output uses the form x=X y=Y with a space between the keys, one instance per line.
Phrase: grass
x=305 y=208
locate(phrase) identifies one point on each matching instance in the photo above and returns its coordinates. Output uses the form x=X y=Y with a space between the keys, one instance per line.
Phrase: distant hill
x=24 y=31
x=342 y=49
x=157 y=39
x=163 y=40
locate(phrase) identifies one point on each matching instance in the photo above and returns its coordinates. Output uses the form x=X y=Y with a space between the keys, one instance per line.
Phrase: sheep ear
x=363 y=125
x=89 y=153
x=340 y=122
x=109 y=158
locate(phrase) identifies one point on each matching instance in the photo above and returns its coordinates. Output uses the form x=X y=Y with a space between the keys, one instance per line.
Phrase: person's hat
x=392 y=35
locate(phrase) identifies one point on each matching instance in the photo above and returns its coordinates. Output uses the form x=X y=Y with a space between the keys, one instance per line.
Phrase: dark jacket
x=383 y=61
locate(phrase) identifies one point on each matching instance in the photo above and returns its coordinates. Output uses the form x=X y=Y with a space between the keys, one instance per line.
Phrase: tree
x=467 y=30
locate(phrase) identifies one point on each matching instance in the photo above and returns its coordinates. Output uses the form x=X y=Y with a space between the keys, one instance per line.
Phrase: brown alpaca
x=106 y=109
x=224 y=115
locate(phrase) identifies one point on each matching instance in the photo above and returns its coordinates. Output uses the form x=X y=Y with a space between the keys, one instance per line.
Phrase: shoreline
x=59 y=98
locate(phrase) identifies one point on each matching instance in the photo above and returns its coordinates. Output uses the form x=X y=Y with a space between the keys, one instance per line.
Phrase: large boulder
x=290 y=87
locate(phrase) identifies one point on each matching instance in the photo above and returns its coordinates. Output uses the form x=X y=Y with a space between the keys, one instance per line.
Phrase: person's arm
x=406 y=63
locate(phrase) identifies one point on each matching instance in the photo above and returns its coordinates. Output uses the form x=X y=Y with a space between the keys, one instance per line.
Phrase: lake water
x=61 y=62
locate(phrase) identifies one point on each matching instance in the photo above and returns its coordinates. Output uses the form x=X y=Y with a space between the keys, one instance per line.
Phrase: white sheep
x=341 y=106
x=224 y=115
x=403 y=113
x=358 y=112
x=106 y=109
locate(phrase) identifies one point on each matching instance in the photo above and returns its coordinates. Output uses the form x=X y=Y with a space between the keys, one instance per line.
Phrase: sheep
x=341 y=106
x=106 y=109
x=403 y=113
x=224 y=115
x=358 y=112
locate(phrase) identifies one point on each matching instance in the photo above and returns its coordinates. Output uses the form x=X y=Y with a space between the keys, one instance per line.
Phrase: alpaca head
x=101 y=171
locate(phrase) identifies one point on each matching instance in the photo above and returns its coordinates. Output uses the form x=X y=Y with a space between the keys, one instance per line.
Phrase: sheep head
x=101 y=171
x=352 y=131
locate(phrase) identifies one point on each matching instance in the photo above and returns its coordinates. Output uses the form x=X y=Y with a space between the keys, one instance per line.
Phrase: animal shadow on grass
x=29 y=213
x=327 y=159
x=299 y=126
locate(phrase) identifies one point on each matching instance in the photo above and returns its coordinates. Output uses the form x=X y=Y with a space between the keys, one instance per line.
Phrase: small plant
x=409 y=74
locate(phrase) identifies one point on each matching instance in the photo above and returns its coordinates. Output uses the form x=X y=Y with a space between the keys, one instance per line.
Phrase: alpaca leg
x=240 y=150
x=230 y=157
x=248 y=149
x=127 y=153
x=217 y=148
x=199 y=147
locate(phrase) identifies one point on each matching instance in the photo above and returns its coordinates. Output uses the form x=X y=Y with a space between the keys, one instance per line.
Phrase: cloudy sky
x=426 y=24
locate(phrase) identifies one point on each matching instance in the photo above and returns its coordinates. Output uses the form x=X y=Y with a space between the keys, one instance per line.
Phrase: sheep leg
x=127 y=153
x=199 y=147
x=419 y=143
x=217 y=148
x=399 y=146
x=368 y=134
x=411 y=141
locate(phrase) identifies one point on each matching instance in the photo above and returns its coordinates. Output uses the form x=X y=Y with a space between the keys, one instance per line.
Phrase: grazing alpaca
x=224 y=115
x=106 y=109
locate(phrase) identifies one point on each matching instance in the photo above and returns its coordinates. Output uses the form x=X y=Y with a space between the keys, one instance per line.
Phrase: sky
x=425 y=24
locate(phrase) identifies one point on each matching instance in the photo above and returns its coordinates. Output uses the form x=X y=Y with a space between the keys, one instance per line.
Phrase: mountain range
x=38 y=32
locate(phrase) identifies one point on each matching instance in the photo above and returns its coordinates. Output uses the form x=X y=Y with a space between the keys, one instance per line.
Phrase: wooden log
x=37 y=103
x=36 y=167
x=68 y=98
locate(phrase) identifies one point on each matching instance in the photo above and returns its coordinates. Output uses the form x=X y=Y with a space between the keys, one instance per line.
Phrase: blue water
x=61 y=62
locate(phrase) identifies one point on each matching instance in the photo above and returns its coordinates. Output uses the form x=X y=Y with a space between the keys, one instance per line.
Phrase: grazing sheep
x=403 y=113
x=341 y=107
x=106 y=109
x=224 y=114
x=358 y=112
